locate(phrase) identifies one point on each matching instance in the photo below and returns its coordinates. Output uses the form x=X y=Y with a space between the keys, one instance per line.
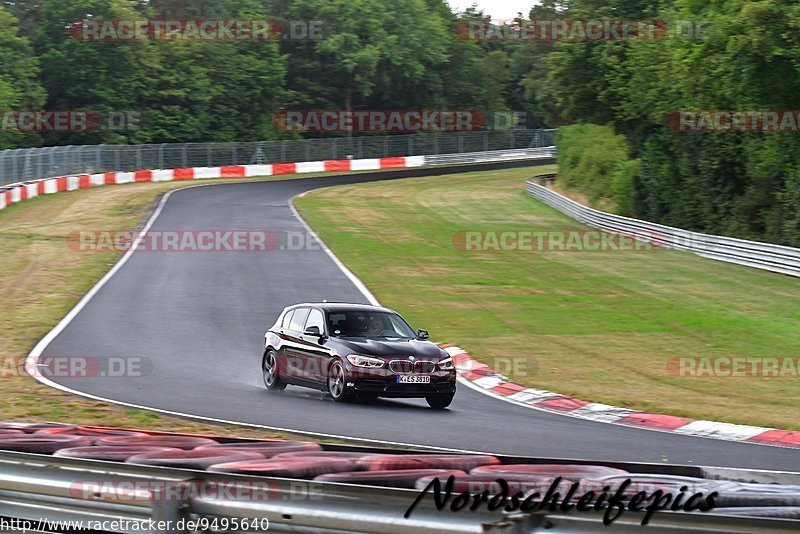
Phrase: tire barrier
x=267 y=448
x=567 y=471
x=110 y=454
x=394 y=478
x=463 y=462
x=650 y=483
x=324 y=454
x=486 y=482
x=41 y=444
x=175 y=441
x=90 y=431
x=194 y=459
x=290 y=468
x=30 y=428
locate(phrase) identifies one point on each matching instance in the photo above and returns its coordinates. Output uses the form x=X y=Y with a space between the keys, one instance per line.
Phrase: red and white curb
x=481 y=377
x=13 y=193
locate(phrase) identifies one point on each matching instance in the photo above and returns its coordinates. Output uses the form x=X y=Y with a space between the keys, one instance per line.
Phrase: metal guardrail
x=38 y=486
x=766 y=256
x=33 y=163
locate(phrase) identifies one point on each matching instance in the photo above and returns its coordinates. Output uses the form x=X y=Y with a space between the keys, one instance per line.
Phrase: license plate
x=414 y=379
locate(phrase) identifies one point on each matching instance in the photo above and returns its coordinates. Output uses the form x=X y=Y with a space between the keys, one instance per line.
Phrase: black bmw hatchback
x=356 y=351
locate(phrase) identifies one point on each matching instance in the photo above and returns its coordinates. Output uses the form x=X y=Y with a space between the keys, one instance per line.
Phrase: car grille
x=407 y=367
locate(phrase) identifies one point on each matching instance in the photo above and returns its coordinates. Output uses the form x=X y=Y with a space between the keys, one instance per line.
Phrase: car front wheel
x=269 y=367
x=439 y=402
x=337 y=386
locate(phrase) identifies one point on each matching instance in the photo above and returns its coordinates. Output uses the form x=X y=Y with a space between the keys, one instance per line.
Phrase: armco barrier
x=766 y=256
x=371 y=498
x=13 y=193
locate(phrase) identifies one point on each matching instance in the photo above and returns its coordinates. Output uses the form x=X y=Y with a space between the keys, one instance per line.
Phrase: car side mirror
x=313 y=331
x=423 y=334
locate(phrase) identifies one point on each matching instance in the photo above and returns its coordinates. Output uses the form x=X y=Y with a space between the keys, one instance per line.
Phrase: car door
x=293 y=355
x=315 y=354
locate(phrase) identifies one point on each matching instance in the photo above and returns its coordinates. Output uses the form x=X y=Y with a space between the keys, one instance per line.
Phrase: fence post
x=210 y=155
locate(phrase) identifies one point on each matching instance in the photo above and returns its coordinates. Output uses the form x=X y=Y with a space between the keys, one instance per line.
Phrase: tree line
x=613 y=100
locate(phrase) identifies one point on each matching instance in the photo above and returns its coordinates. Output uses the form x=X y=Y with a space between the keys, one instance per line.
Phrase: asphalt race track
x=200 y=318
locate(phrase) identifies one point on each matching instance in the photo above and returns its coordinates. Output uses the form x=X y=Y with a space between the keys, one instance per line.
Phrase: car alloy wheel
x=270 y=372
x=336 y=383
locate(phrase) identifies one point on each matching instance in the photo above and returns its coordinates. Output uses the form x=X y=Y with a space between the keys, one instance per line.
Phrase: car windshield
x=369 y=324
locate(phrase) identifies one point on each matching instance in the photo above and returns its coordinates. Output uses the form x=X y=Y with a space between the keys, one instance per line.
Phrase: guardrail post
x=169 y=508
x=516 y=523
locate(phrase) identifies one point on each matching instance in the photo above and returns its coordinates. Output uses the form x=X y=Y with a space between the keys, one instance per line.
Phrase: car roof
x=337 y=306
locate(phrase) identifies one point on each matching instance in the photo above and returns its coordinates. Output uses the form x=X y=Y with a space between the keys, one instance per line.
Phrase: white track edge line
x=469 y=384
x=361 y=286
x=33 y=356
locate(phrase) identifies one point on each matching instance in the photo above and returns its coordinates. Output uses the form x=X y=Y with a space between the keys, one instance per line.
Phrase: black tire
x=439 y=402
x=337 y=383
x=269 y=371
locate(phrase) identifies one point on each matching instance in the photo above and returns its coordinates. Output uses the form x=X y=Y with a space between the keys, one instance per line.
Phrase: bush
x=593 y=160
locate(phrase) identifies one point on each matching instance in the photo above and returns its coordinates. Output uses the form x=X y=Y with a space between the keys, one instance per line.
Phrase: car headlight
x=364 y=361
x=446 y=364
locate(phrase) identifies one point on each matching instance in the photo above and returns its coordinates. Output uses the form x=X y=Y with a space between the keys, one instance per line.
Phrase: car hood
x=423 y=350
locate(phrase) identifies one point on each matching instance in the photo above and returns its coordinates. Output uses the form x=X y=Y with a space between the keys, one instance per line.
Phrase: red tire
x=267 y=448
x=462 y=462
x=110 y=454
x=30 y=428
x=307 y=455
x=567 y=471
x=395 y=478
x=173 y=441
x=41 y=444
x=485 y=482
x=290 y=468
x=199 y=459
x=91 y=431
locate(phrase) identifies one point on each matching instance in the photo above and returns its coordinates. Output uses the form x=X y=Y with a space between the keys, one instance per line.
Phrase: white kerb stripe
x=365 y=164
x=126 y=177
x=257 y=170
x=16 y=194
x=73 y=183
x=201 y=173
x=415 y=161
x=97 y=179
x=310 y=166
x=51 y=186
x=163 y=175
x=720 y=430
x=33 y=190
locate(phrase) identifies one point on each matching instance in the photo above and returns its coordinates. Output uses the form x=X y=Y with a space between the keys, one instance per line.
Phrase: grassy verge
x=598 y=325
x=41 y=278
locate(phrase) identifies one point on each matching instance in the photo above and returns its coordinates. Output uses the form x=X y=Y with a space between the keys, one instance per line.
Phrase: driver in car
x=375 y=327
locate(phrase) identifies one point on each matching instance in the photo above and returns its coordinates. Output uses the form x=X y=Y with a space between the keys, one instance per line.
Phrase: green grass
x=41 y=279
x=598 y=325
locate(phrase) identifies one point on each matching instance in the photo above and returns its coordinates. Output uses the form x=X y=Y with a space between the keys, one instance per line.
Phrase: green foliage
x=593 y=160
x=19 y=70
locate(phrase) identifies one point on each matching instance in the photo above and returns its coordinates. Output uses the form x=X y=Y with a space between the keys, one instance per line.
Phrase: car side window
x=315 y=319
x=298 y=319
x=286 y=319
